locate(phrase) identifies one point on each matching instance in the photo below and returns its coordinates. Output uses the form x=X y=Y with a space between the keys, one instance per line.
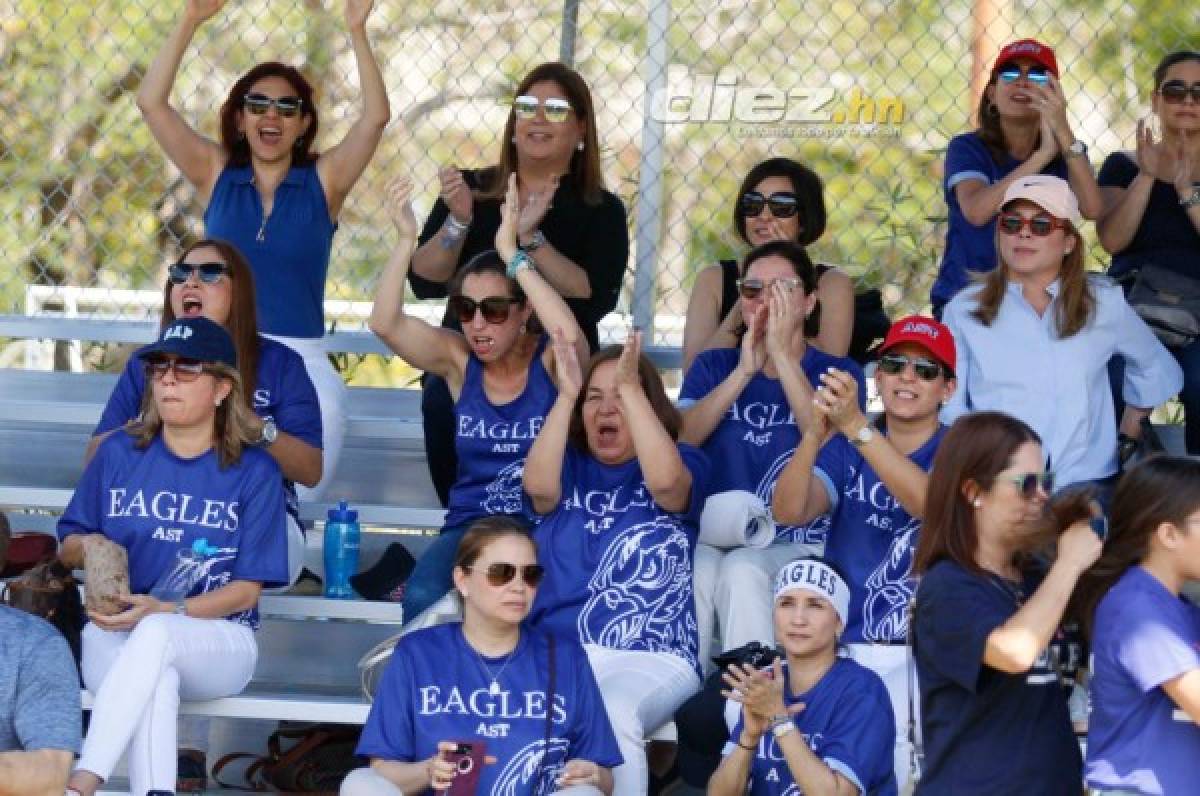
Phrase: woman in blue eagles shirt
x=268 y=193
x=501 y=374
x=871 y=479
x=1152 y=203
x=746 y=406
x=213 y=280
x=617 y=498
x=812 y=722
x=525 y=696
x=186 y=474
x=1023 y=130
x=994 y=669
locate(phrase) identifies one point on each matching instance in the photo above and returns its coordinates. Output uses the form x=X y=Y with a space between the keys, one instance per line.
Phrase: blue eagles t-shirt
x=288 y=250
x=283 y=392
x=968 y=247
x=871 y=539
x=436 y=688
x=492 y=442
x=1138 y=738
x=618 y=565
x=155 y=504
x=1165 y=235
x=758 y=435
x=848 y=724
x=988 y=732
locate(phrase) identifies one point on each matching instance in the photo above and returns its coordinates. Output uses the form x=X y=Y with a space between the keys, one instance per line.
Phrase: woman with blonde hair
x=186 y=477
x=1035 y=336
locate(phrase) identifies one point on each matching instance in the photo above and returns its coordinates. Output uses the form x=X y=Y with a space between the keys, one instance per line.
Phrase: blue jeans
x=431 y=577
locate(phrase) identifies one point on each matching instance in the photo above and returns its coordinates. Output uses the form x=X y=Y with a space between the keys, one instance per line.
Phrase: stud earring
x=514 y=139
x=579 y=146
x=977 y=503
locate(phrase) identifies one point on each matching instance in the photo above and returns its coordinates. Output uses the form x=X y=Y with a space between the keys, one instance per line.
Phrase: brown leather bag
x=50 y=591
x=318 y=761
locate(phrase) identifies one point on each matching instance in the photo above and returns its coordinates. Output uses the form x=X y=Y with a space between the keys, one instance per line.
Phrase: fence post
x=650 y=169
x=570 y=27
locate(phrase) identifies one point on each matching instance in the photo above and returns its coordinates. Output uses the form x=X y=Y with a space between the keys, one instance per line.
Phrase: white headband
x=818 y=578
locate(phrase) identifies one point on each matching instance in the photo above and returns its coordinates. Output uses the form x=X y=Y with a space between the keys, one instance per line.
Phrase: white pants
x=139 y=677
x=890 y=662
x=331 y=394
x=641 y=691
x=369 y=782
x=735 y=589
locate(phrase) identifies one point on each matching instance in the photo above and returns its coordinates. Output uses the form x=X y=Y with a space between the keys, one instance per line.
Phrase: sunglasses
x=495 y=309
x=1029 y=483
x=753 y=288
x=1011 y=74
x=501 y=573
x=186 y=369
x=1174 y=92
x=208 y=273
x=894 y=364
x=1040 y=225
x=258 y=104
x=555 y=109
x=782 y=204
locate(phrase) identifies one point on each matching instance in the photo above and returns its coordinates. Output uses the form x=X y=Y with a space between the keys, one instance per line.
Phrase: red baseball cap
x=934 y=336
x=1027 y=48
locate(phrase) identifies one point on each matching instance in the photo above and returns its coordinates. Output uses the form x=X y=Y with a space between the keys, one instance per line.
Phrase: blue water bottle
x=341 y=551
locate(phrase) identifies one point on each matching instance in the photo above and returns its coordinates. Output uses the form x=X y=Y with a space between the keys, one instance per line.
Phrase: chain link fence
x=689 y=95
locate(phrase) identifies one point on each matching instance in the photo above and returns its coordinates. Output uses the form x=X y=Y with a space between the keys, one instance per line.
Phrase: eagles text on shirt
x=760 y=417
x=167 y=506
x=480 y=703
x=478 y=428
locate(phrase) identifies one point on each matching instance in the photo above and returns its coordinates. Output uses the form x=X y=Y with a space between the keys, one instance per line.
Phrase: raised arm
x=567 y=277
x=838 y=399
x=799 y=498
x=198 y=158
x=340 y=167
x=1015 y=646
x=436 y=259
x=702 y=418
x=781 y=323
x=547 y=303
x=1079 y=168
x=423 y=346
x=669 y=481
x=1124 y=207
x=980 y=202
x=543 y=465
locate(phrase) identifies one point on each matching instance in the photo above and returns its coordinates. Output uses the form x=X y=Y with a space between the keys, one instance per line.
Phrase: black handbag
x=1169 y=303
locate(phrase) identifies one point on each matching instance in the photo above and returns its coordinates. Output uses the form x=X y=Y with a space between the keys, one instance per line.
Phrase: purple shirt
x=1138 y=738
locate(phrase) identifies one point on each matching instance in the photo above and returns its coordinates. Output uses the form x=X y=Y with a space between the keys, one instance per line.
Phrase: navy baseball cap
x=194 y=338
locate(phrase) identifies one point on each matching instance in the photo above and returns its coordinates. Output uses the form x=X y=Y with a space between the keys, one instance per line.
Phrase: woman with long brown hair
x=1023 y=130
x=992 y=665
x=569 y=223
x=1035 y=336
x=186 y=478
x=1143 y=733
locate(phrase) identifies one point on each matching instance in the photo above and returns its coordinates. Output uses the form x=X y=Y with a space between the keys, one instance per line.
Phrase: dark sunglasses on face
x=501 y=573
x=186 y=370
x=1174 y=92
x=1028 y=483
x=495 y=309
x=258 y=104
x=894 y=364
x=1011 y=74
x=1039 y=225
x=556 y=109
x=753 y=288
x=208 y=273
x=783 y=204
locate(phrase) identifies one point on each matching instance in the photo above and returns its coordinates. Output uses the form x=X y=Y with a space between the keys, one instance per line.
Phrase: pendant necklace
x=494 y=688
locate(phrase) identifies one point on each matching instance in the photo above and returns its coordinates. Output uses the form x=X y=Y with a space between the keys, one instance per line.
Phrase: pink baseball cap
x=1052 y=194
x=1032 y=49
x=933 y=336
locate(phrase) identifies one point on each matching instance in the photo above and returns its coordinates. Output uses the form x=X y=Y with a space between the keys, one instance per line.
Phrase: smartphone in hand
x=469 y=758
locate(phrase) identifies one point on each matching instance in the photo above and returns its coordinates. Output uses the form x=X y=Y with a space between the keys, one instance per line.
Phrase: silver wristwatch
x=536 y=242
x=269 y=432
x=1077 y=149
x=1192 y=200
x=862 y=436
